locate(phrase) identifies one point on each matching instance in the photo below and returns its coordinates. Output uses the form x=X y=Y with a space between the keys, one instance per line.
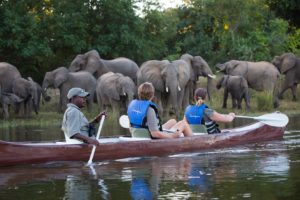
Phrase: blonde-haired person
x=200 y=113
x=143 y=113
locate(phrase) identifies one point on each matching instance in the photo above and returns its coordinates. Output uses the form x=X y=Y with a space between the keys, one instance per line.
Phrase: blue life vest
x=194 y=113
x=137 y=112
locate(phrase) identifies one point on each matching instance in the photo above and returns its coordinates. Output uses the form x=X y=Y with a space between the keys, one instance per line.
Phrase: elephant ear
x=288 y=62
x=61 y=76
x=231 y=66
x=219 y=83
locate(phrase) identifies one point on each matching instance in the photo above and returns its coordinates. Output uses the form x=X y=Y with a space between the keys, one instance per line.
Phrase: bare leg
x=183 y=127
x=169 y=124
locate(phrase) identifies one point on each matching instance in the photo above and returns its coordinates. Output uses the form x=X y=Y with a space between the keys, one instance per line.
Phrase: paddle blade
x=274 y=119
x=124 y=121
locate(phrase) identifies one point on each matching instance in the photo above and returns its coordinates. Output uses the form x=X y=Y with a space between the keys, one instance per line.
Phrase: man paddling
x=75 y=125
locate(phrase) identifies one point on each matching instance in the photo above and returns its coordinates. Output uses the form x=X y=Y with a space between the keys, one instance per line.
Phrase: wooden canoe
x=15 y=153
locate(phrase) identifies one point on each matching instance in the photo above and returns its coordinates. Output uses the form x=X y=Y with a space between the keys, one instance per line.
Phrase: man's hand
x=92 y=141
x=98 y=117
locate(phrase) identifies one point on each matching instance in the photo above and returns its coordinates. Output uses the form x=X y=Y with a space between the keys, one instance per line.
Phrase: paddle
x=125 y=123
x=276 y=119
x=97 y=137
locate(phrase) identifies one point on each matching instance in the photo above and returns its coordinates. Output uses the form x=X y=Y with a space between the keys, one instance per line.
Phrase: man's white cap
x=77 y=92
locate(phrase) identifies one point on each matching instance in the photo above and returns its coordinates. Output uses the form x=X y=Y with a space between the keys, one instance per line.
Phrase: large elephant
x=91 y=62
x=115 y=90
x=237 y=87
x=198 y=67
x=26 y=90
x=164 y=77
x=64 y=80
x=8 y=73
x=261 y=76
x=183 y=70
x=289 y=65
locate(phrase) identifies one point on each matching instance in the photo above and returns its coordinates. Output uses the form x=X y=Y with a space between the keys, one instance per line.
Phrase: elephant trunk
x=44 y=91
x=172 y=97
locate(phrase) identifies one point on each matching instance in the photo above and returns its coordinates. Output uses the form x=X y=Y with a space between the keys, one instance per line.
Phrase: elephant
x=261 y=76
x=8 y=73
x=115 y=90
x=237 y=86
x=198 y=67
x=184 y=72
x=289 y=65
x=164 y=77
x=91 y=62
x=6 y=100
x=26 y=90
x=64 y=80
x=40 y=94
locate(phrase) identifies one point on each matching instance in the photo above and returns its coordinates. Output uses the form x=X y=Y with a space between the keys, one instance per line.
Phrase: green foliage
x=287 y=9
x=38 y=36
x=294 y=42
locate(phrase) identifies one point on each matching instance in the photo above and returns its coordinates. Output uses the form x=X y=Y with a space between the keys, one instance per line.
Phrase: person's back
x=143 y=113
x=201 y=114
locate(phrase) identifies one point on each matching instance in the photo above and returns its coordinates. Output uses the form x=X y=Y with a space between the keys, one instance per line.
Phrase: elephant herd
x=114 y=82
x=23 y=94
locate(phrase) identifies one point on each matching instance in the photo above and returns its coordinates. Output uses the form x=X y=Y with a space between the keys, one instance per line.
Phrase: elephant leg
x=5 y=111
x=17 y=108
x=89 y=103
x=28 y=108
x=239 y=103
x=284 y=87
x=185 y=99
x=247 y=101
x=115 y=105
x=294 y=90
x=159 y=103
x=234 y=102
x=225 y=98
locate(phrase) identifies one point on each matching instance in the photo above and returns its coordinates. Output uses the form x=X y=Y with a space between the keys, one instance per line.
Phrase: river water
x=267 y=170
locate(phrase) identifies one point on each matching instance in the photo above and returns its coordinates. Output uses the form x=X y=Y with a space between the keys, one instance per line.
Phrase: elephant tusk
x=124 y=93
x=211 y=76
x=179 y=89
x=167 y=89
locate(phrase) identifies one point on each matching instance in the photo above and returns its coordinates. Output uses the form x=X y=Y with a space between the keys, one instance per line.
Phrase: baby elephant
x=237 y=86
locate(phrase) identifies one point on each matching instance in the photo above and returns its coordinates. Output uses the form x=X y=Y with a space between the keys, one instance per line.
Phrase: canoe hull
x=15 y=153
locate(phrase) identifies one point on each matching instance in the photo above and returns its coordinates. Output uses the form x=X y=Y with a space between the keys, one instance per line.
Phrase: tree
x=286 y=9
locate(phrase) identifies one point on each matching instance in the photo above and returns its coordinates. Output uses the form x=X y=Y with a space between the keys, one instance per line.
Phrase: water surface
x=268 y=170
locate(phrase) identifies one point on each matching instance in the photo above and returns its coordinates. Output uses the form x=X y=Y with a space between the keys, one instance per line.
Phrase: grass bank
x=48 y=114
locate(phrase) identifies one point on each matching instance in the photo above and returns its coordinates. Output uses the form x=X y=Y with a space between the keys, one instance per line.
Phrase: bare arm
x=85 y=139
x=222 y=117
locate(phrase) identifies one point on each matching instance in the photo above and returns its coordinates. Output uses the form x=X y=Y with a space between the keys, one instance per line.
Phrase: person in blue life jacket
x=143 y=113
x=75 y=125
x=200 y=113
